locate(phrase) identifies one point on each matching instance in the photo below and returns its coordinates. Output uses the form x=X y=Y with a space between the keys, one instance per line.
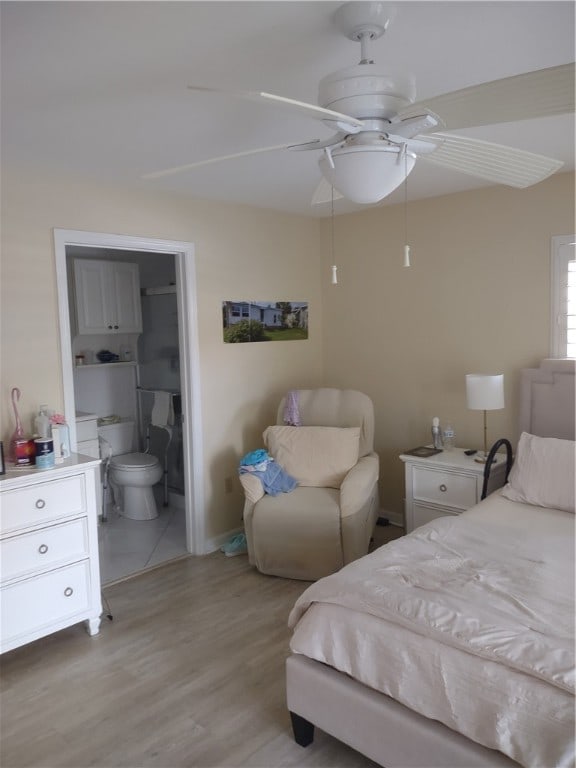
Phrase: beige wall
x=476 y=300
x=241 y=253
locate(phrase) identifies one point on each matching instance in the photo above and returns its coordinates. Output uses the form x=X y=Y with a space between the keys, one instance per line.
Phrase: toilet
x=132 y=475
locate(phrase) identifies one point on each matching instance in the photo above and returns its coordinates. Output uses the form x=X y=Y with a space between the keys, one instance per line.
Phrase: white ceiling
x=98 y=89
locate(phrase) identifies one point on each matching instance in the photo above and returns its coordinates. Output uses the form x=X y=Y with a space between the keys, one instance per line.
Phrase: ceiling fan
x=381 y=130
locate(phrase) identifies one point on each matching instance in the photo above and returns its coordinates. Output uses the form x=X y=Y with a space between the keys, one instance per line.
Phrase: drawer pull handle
x=68 y=591
x=40 y=504
x=43 y=548
x=443 y=488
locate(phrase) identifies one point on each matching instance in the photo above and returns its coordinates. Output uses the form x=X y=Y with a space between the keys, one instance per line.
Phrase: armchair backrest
x=328 y=407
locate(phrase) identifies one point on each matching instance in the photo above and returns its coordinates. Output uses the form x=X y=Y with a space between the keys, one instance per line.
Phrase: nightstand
x=445 y=484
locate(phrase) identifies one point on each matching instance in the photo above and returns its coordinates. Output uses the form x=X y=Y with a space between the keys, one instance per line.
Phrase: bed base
x=374 y=724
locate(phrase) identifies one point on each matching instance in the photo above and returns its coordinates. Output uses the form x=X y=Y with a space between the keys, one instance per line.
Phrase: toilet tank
x=119 y=438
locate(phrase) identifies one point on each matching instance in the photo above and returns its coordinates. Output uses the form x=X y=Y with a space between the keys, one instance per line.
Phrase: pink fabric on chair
x=291 y=410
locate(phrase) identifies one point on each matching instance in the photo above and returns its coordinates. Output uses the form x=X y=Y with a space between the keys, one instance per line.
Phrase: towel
x=276 y=480
x=162 y=410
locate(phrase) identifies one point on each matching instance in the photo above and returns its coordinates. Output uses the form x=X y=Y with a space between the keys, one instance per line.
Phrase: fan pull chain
x=406 y=246
x=334 y=267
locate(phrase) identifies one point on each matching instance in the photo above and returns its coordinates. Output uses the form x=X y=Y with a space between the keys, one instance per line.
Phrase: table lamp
x=484 y=392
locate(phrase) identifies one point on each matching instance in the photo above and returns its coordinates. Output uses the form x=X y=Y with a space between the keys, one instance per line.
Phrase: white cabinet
x=87 y=434
x=445 y=484
x=107 y=297
x=49 y=571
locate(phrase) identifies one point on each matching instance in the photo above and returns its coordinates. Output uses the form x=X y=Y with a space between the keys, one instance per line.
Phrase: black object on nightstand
x=490 y=460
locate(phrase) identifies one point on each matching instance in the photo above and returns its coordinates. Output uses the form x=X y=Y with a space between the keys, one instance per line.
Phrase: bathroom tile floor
x=130 y=546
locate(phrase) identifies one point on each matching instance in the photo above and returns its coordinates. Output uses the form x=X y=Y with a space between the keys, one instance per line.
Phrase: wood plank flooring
x=190 y=673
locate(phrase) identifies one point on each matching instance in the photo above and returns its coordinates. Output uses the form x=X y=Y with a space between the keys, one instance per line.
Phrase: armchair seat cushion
x=298 y=533
x=315 y=456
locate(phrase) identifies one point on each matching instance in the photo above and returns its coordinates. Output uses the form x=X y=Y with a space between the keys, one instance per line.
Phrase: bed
x=454 y=646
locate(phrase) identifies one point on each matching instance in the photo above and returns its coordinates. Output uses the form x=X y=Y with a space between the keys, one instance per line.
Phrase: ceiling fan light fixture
x=367 y=174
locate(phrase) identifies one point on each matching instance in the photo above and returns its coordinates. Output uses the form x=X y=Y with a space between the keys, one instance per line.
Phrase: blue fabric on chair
x=274 y=479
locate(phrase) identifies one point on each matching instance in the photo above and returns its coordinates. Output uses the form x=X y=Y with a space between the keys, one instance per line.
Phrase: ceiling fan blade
x=521 y=97
x=341 y=121
x=221 y=158
x=325 y=193
x=494 y=162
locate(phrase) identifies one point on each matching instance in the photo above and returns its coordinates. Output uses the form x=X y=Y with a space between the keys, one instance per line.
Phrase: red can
x=24 y=452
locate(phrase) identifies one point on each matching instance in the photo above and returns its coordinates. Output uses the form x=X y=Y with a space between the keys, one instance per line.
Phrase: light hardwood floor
x=190 y=673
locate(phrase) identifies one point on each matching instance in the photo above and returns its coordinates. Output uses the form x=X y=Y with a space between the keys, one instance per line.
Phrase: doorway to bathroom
x=143 y=372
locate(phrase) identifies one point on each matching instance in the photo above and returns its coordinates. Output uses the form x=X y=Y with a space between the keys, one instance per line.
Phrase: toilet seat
x=134 y=461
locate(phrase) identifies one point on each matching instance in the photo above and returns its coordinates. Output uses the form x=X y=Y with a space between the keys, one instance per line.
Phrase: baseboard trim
x=394 y=518
x=213 y=545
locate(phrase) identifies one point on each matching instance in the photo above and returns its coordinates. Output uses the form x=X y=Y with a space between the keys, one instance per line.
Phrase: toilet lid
x=134 y=461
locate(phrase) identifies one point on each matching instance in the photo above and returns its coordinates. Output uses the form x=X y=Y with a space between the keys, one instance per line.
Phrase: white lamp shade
x=366 y=174
x=485 y=392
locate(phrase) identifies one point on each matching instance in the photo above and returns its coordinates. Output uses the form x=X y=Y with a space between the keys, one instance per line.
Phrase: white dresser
x=445 y=484
x=50 y=575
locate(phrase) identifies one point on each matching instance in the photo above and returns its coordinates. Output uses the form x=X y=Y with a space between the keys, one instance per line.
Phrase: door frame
x=186 y=294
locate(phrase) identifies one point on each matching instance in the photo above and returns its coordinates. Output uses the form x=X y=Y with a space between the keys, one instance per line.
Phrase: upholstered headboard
x=547 y=399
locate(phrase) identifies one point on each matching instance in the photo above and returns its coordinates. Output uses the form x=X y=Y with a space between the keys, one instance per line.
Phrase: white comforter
x=496 y=586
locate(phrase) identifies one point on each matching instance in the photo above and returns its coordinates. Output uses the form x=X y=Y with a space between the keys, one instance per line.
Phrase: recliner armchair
x=328 y=520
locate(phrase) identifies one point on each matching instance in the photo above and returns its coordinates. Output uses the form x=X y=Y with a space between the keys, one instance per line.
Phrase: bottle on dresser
x=42 y=422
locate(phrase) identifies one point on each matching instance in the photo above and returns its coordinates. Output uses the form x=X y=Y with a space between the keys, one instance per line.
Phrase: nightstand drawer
x=445 y=488
x=422 y=515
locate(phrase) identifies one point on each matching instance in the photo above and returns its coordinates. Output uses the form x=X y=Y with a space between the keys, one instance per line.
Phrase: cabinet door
x=107 y=297
x=94 y=302
x=126 y=283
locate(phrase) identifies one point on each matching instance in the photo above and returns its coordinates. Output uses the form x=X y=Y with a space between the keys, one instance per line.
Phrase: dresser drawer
x=44 y=601
x=44 y=549
x=41 y=502
x=445 y=488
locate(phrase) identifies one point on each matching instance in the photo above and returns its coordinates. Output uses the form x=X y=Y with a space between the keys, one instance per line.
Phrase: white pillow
x=315 y=456
x=543 y=473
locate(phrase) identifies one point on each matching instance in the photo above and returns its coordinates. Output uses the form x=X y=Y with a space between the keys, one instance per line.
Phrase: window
x=563 y=299
x=240 y=310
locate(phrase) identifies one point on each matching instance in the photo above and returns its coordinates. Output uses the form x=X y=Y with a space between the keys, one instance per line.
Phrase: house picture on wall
x=247 y=321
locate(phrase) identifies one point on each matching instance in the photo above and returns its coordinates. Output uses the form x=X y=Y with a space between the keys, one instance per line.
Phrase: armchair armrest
x=253 y=492
x=252 y=487
x=358 y=484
